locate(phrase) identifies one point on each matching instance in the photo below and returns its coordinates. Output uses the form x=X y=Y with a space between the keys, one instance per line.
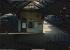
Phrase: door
x=23 y=25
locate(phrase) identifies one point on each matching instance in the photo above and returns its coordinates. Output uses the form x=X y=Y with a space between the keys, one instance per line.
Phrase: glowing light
x=9 y=14
x=64 y=8
x=46 y=27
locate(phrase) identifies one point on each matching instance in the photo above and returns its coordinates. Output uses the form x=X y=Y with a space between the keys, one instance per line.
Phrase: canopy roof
x=49 y=6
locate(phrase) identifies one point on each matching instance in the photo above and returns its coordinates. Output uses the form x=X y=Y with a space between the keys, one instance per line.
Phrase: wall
x=35 y=18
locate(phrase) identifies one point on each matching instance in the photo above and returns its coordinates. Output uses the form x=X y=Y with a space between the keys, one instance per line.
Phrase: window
x=30 y=25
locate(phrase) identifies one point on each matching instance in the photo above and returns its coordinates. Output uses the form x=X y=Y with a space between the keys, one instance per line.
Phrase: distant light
x=6 y=15
x=64 y=8
x=69 y=47
x=9 y=14
x=17 y=0
x=38 y=49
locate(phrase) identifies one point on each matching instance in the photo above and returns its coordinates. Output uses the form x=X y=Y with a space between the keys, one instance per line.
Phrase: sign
x=23 y=25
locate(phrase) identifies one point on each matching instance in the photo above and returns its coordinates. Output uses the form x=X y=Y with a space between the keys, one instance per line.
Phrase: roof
x=32 y=5
x=54 y=6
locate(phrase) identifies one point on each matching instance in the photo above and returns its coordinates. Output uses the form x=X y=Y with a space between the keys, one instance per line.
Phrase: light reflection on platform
x=49 y=28
x=54 y=33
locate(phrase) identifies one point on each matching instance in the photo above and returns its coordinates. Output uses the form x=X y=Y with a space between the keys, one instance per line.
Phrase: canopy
x=50 y=6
